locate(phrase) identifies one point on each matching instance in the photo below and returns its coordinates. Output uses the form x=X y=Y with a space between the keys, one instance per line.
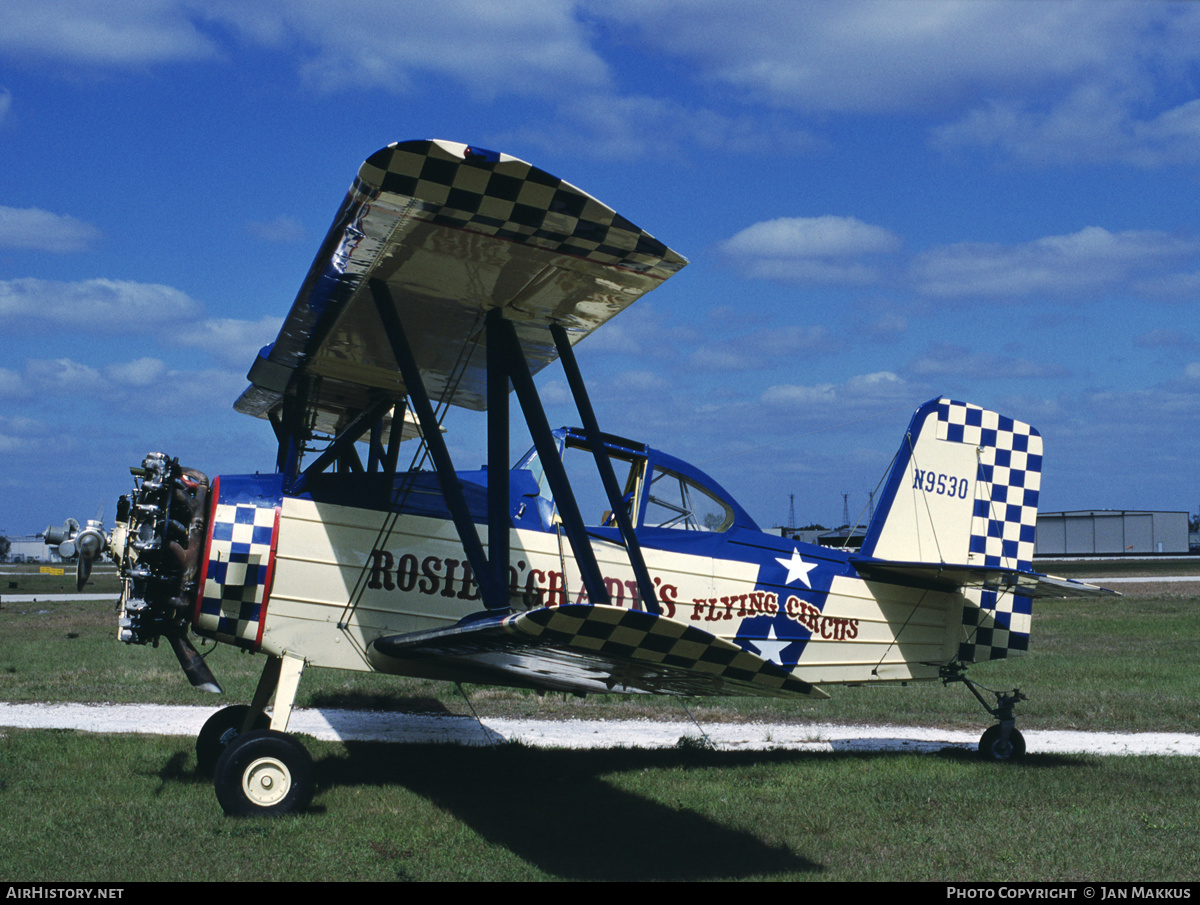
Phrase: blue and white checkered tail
x=963 y=490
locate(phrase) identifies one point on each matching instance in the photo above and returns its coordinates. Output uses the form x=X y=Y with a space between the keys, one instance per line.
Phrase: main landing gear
x=256 y=767
x=1002 y=742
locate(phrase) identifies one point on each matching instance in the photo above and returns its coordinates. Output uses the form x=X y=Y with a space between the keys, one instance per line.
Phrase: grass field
x=75 y=806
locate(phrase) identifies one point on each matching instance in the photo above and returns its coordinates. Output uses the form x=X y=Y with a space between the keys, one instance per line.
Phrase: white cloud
x=780 y=347
x=1087 y=262
x=62 y=376
x=884 y=326
x=903 y=55
x=811 y=237
x=609 y=126
x=522 y=46
x=230 y=339
x=811 y=250
x=1064 y=81
x=1088 y=125
x=1178 y=286
x=97 y=32
x=142 y=372
x=157 y=313
x=119 y=387
x=10 y=382
x=104 y=306
x=949 y=360
x=41 y=230
x=1166 y=339
x=281 y=229
x=864 y=388
x=15 y=433
x=638 y=381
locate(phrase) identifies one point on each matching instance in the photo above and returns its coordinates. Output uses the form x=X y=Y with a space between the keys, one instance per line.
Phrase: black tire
x=265 y=773
x=993 y=749
x=221 y=729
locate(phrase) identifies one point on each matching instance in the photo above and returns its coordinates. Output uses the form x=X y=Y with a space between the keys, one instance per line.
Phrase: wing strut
x=499 y=491
x=548 y=454
x=494 y=597
x=289 y=427
x=592 y=428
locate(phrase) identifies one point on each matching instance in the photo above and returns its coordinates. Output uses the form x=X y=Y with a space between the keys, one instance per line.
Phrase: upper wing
x=454 y=231
x=587 y=648
x=950 y=577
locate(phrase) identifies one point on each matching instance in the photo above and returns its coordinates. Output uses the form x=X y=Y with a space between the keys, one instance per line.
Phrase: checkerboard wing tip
x=453 y=231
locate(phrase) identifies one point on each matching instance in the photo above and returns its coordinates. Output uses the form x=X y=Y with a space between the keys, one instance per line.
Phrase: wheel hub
x=266 y=781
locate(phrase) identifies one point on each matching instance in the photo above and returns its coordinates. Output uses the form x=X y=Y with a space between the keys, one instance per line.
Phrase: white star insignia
x=771 y=647
x=797 y=568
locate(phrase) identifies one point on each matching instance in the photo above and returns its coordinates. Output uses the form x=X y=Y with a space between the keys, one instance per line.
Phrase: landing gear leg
x=265 y=771
x=227 y=724
x=1002 y=742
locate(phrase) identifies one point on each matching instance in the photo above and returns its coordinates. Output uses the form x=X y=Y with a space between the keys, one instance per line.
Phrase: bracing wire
x=420 y=456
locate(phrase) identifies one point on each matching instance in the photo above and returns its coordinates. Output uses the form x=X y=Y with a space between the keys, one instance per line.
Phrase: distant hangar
x=1113 y=532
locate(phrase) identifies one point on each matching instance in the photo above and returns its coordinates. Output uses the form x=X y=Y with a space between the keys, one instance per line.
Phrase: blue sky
x=882 y=202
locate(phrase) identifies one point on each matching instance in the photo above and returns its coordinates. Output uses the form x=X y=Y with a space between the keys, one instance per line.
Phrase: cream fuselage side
x=339 y=583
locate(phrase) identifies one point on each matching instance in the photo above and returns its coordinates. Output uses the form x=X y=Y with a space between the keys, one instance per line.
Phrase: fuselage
x=324 y=574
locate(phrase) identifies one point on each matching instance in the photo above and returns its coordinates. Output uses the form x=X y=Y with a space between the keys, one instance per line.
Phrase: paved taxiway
x=353 y=725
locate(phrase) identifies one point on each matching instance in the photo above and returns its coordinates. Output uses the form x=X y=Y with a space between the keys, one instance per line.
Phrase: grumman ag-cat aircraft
x=451 y=274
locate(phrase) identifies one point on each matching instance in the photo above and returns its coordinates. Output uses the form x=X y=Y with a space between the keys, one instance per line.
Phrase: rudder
x=963 y=489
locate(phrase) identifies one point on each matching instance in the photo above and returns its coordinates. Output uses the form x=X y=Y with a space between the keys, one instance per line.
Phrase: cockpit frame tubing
x=345 y=441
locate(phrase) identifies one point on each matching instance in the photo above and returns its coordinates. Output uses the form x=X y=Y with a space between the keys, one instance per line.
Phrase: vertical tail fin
x=963 y=490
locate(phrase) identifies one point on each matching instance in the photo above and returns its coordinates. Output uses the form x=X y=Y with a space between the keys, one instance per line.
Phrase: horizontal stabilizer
x=949 y=577
x=587 y=649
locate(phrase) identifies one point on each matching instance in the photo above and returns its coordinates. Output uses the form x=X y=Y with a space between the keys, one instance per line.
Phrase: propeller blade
x=194 y=667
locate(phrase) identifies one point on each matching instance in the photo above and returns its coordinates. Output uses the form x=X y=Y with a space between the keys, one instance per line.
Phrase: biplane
x=451 y=275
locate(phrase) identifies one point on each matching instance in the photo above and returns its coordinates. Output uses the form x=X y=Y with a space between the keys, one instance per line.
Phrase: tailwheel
x=993 y=746
x=1000 y=743
x=264 y=772
x=222 y=728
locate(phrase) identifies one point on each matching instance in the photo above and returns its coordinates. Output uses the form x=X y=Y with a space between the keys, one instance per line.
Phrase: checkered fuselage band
x=501 y=196
x=1004 y=520
x=237 y=574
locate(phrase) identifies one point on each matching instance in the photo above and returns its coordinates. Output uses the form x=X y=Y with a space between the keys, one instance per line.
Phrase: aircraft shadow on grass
x=556 y=811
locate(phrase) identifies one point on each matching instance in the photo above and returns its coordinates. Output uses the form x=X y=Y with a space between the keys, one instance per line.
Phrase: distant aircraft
x=450 y=275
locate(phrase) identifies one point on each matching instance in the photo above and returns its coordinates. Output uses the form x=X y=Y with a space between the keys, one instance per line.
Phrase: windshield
x=671 y=500
x=677 y=502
